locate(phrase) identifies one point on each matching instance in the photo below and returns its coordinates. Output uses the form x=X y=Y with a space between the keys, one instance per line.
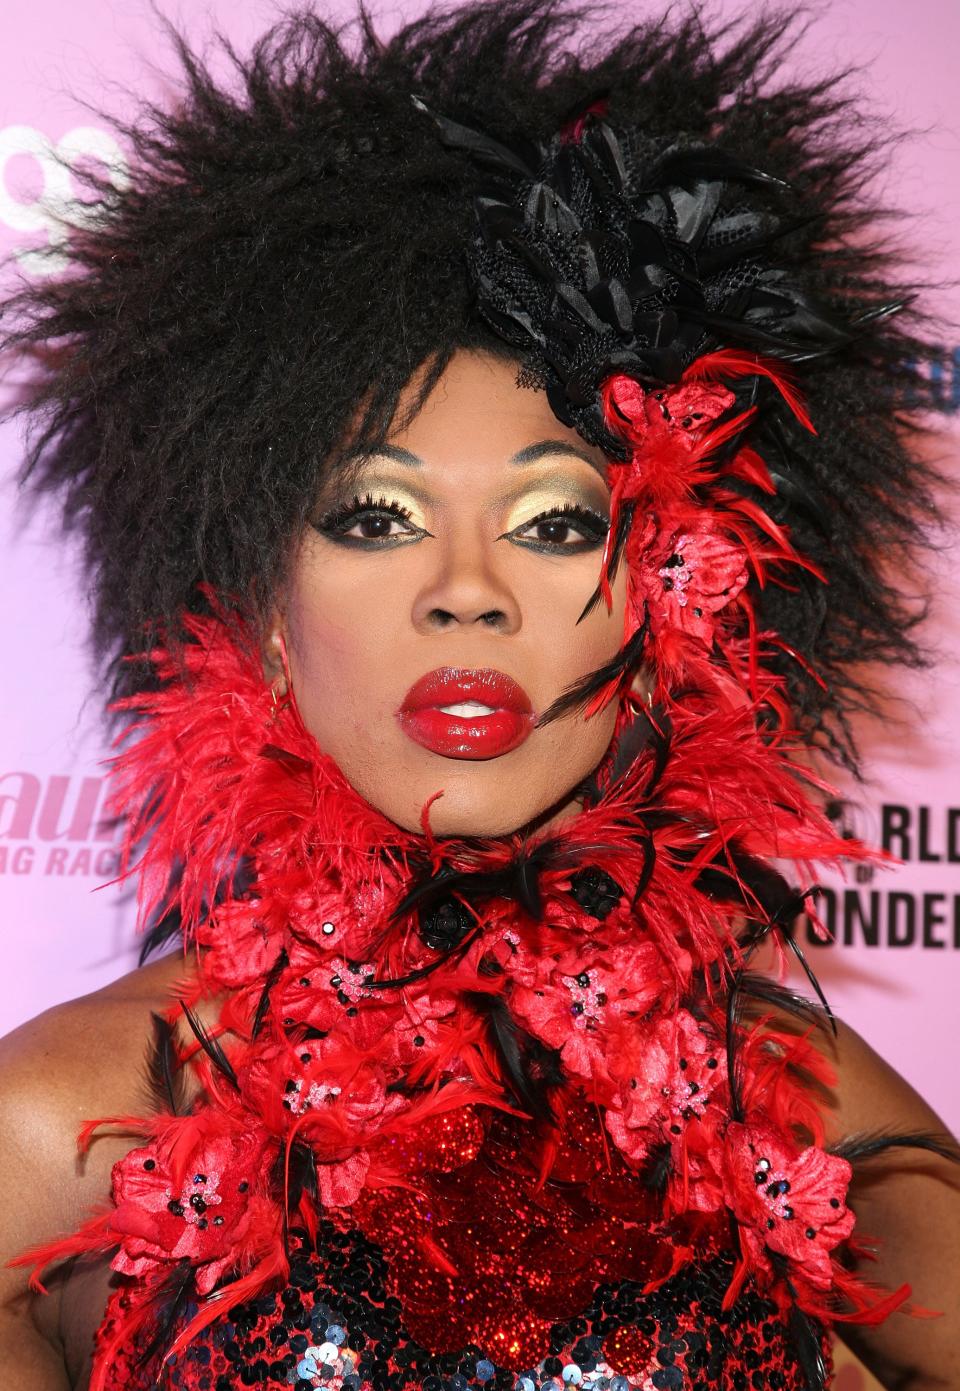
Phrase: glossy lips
x=503 y=724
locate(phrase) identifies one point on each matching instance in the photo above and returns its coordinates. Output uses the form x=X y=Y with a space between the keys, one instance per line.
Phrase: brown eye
x=569 y=529
x=556 y=533
x=370 y=523
x=374 y=525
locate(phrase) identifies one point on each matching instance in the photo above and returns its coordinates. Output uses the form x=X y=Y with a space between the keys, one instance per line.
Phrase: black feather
x=624 y=523
x=530 y=1068
x=276 y=970
x=167 y=928
x=164 y=1079
x=870 y=1144
x=733 y=1052
x=633 y=739
x=808 y=1350
x=782 y=905
x=648 y=850
x=661 y=730
x=170 y=1301
x=657 y=1167
x=302 y=1173
x=518 y=879
x=211 y=1047
x=758 y=987
x=395 y=982
x=578 y=695
x=808 y=971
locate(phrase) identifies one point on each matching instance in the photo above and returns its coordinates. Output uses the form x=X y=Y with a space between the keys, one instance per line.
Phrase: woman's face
x=432 y=610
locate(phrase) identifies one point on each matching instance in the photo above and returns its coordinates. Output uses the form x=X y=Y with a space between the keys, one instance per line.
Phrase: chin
x=465 y=812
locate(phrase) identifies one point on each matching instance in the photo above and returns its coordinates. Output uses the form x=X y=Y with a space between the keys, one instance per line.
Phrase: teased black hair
x=292 y=248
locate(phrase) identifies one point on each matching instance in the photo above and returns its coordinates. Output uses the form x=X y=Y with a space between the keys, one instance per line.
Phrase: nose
x=466 y=590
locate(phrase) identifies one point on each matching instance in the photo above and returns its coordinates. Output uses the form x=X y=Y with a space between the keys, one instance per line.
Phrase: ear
x=644 y=684
x=273 y=651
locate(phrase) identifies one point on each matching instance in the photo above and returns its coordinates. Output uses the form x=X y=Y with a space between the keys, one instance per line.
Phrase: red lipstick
x=460 y=713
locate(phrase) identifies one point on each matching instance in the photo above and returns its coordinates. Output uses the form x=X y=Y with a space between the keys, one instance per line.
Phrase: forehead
x=477 y=405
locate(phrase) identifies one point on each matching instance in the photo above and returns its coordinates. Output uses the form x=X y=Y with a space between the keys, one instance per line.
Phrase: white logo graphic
x=57 y=204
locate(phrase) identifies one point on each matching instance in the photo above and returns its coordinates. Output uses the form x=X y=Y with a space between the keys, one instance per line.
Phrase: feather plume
x=165 y=1081
x=211 y=1046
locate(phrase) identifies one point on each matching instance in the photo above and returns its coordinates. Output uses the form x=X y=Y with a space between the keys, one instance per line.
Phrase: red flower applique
x=573 y=1006
x=203 y=1216
x=680 y=414
x=688 y=575
x=675 y=1068
x=786 y=1201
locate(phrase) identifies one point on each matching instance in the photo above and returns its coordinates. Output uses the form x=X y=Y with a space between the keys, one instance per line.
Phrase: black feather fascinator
x=594 y=255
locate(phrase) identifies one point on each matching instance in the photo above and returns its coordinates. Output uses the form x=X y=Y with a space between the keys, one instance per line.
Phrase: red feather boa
x=384 y=1083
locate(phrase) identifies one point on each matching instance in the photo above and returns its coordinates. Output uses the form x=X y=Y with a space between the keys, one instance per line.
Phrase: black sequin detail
x=679 y=1335
x=596 y=893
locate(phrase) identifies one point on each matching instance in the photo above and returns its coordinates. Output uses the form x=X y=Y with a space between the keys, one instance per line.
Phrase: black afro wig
x=291 y=249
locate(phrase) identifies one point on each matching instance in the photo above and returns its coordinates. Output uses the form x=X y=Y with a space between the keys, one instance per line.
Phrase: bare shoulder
x=75 y=1062
x=907 y=1203
x=82 y=1058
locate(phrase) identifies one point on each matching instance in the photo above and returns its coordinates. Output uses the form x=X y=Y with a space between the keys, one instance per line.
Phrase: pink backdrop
x=893 y=972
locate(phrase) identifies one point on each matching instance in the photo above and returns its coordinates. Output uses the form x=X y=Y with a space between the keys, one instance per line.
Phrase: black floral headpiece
x=594 y=256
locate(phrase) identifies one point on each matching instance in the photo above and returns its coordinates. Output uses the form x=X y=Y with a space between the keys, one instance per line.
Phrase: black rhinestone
x=445 y=925
x=305 y=1057
x=335 y=981
x=583 y=979
x=683 y=1064
x=197 y=1203
x=304 y=980
x=175 y=1207
x=810 y=1233
x=418 y=1042
x=834 y=1202
x=149 y=1163
x=595 y=891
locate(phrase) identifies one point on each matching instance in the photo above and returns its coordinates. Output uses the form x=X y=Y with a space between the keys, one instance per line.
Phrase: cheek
x=336 y=644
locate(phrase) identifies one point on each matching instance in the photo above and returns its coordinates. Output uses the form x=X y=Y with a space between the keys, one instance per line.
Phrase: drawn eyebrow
x=548 y=448
x=529 y=454
x=385 y=451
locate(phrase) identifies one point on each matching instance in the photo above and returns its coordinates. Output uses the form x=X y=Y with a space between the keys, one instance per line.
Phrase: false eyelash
x=343 y=516
x=571 y=510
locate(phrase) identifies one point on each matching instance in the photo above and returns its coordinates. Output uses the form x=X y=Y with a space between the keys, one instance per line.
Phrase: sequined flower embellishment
x=674 y=1069
x=202 y=1215
x=688 y=576
x=789 y=1202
